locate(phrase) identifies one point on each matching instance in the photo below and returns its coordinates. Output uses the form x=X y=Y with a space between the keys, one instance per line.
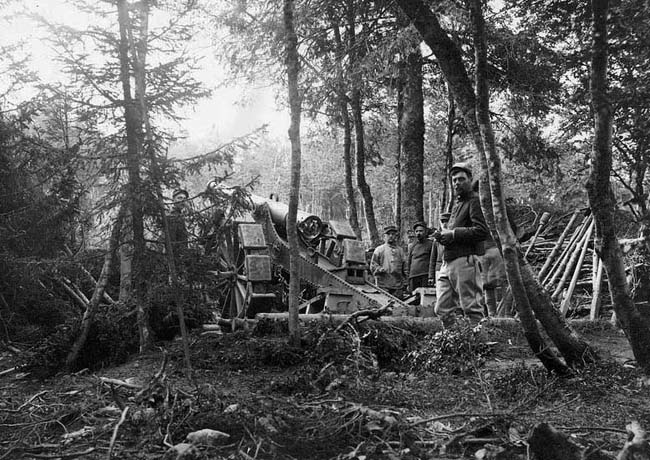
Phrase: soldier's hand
x=446 y=237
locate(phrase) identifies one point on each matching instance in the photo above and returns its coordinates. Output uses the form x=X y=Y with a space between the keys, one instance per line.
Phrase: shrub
x=458 y=349
x=113 y=337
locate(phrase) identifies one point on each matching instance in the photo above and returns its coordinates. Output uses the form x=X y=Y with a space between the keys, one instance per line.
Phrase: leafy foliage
x=29 y=309
x=112 y=338
x=459 y=349
x=40 y=194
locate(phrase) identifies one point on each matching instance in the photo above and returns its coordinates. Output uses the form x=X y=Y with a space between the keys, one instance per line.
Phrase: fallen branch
x=591 y=428
x=10 y=348
x=487 y=414
x=89 y=275
x=69 y=455
x=100 y=287
x=82 y=301
x=115 y=430
x=158 y=377
x=120 y=383
x=375 y=314
x=25 y=403
x=8 y=371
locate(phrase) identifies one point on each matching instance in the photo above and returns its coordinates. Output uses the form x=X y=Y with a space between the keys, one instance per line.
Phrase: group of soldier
x=460 y=258
x=453 y=258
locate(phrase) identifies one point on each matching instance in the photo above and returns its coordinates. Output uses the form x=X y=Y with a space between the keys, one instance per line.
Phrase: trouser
x=494 y=277
x=459 y=290
x=418 y=282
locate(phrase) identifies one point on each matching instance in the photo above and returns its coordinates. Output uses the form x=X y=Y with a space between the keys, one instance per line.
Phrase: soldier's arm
x=433 y=259
x=376 y=260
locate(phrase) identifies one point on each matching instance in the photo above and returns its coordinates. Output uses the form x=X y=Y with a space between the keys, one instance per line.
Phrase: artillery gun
x=254 y=260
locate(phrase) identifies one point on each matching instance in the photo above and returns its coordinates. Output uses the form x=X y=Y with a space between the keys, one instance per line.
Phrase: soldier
x=419 y=255
x=388 y=264
x=178 y=234
x=435 y=262
x=461 y=291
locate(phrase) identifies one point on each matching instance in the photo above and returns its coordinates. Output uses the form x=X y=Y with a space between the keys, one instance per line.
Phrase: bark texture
x=353 y=215
x=293 y=71
x=134 y=141
x=505 y=234
x=445 y=202
x=398 y=156
x=412 y=139
x=601 y=198
x=356 y=103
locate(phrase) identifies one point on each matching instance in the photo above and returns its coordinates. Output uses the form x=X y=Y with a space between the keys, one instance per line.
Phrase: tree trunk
x=357 y=117
x=398 y=156
x=353 y=215
x=360 y=158
x=446 y=198
x=139 y=49
x=133 y=123
x=293 y=69
x=505 y=233
x=451 y=64
x=126 y=259
x=575 y=350
x=601 y=198
x=412 y=137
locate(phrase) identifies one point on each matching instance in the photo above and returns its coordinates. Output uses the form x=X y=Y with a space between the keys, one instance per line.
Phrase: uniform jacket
x=469 y=227
x=393 y=262
x=417 y=261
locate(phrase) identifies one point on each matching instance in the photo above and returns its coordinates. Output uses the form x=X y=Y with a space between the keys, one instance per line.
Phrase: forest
x=193 y=194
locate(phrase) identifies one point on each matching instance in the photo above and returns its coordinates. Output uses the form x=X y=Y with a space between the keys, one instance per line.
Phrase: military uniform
x=459 y=286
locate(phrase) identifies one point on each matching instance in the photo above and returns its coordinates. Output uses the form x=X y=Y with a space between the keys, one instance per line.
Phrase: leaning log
x=557 y=248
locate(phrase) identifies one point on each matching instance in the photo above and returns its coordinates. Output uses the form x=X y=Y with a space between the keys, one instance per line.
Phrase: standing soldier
x=435 y=262
x=388 y=264
x=178 y=234
x=462 y=291
x=417 y=261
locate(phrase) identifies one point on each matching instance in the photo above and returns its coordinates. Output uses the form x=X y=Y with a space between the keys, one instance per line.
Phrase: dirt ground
x=275 y=402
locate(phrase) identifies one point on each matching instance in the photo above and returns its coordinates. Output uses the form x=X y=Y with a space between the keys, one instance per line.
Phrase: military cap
x=389 y=229
x=419 y=224
x=461 y=167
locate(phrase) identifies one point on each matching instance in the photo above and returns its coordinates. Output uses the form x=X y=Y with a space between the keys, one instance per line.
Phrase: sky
x=223 y=115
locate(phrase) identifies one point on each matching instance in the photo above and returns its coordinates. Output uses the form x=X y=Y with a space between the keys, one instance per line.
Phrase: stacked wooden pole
x=564 y=267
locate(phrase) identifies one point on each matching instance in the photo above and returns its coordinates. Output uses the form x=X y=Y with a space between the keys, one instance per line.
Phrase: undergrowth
x=458 y=349
x=112 y=338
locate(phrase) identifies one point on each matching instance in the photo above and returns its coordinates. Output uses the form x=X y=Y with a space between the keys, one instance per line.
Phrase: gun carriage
x=254 y=259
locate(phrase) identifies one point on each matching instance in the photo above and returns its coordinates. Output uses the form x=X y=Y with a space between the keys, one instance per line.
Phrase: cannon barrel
x=309 y=225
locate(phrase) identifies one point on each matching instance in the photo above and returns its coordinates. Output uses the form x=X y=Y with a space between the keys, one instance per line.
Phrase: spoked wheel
x=244 y=270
